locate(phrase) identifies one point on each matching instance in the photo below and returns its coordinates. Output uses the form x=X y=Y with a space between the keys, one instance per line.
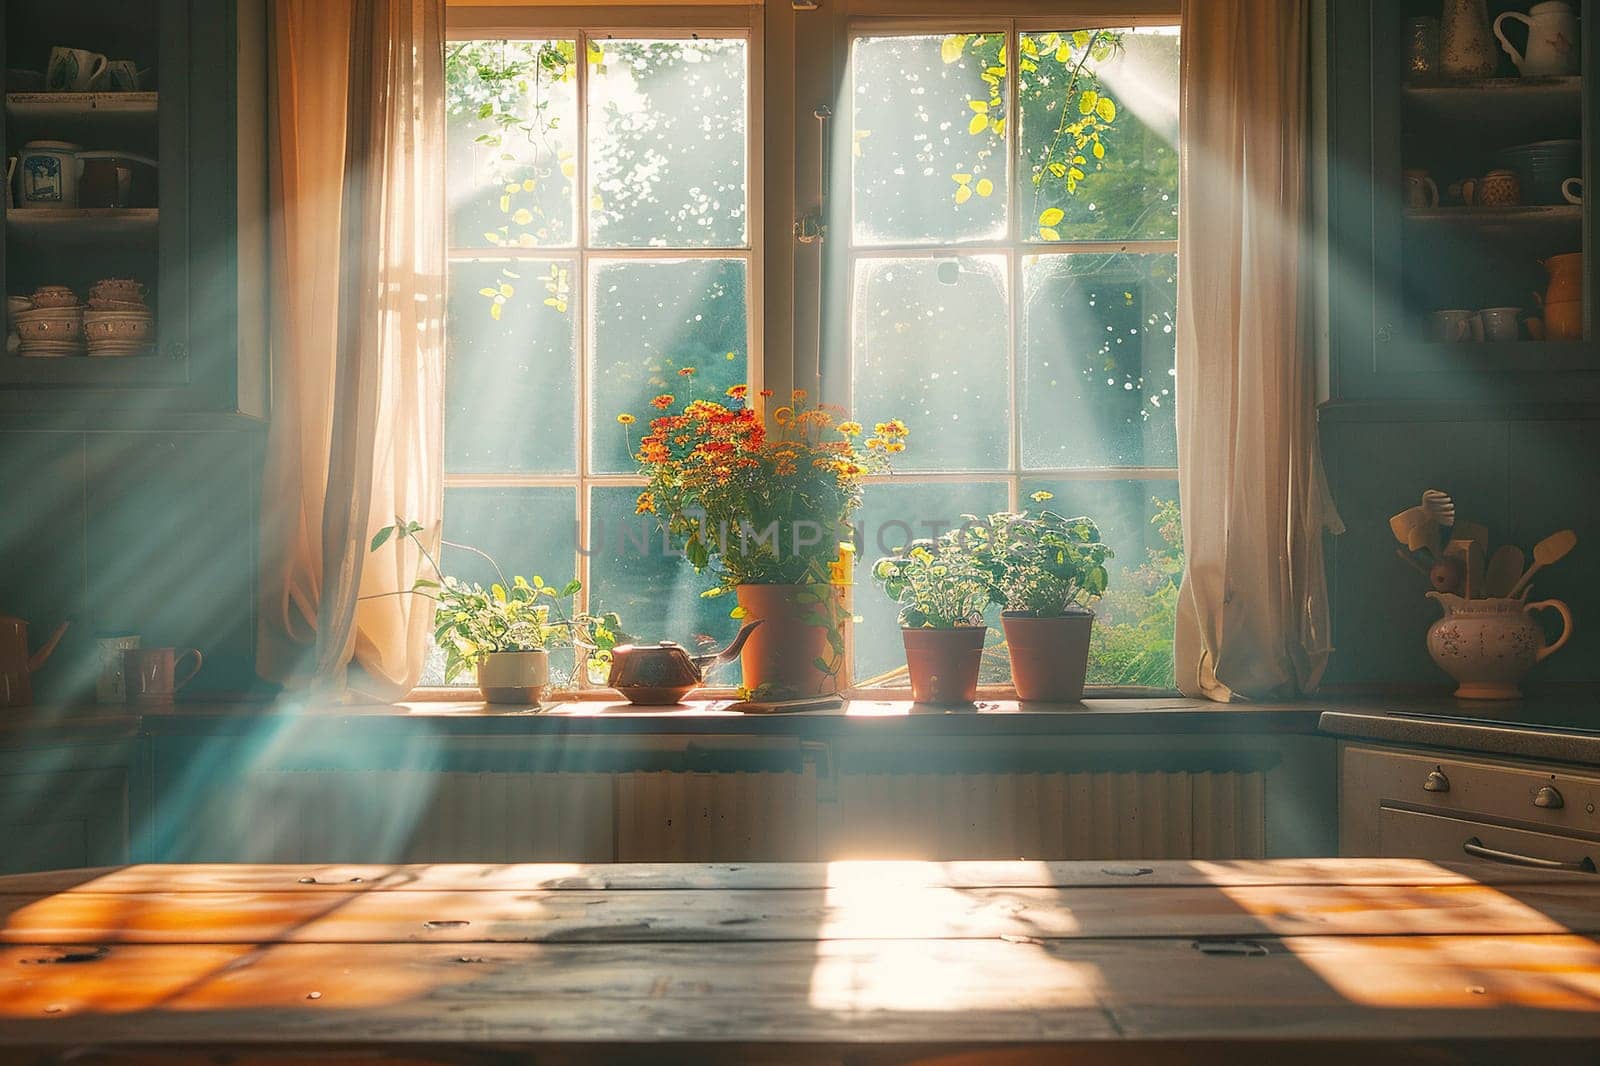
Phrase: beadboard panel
x=668 y=816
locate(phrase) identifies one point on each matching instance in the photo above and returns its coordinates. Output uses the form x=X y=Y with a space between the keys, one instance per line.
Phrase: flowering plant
x=1041 y=566
x=764 y=496
x=937 y=583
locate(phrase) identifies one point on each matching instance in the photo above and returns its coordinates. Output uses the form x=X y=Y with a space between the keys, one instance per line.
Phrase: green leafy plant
x=937 y=583
x=470 y=621
x=1041 y=566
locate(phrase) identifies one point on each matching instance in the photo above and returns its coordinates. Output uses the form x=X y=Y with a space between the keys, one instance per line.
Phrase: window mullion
x=580 y=305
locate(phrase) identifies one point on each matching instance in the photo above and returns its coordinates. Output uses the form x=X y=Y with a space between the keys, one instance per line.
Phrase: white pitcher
x=1552 y=39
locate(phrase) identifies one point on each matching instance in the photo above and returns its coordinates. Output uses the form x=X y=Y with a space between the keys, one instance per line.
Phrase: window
x=1009 y=285
x=602 y=252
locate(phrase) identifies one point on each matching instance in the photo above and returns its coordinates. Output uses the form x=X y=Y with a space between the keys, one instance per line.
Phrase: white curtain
x=357 y=288
x=1253 y=611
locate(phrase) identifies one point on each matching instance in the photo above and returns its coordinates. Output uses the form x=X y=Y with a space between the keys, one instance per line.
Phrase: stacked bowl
x=118 y=322
x=52 y=326
x=1542 y=166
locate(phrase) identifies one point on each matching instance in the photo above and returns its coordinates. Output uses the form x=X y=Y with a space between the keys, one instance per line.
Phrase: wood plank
x=802 y=1002
x=575 y=877
x=867 y=911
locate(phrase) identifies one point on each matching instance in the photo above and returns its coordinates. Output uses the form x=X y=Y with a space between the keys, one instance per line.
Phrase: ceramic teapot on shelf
x=659 y=675
x=16 y=665
x=1487 y=645
x=1552 y=40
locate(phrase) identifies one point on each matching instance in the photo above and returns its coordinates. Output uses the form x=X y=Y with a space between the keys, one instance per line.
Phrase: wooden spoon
x=1551 y=549
x=1505 y=566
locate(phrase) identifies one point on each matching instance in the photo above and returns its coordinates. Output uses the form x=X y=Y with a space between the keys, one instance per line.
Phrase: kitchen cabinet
x=1393 y=263
x=198 y=247
x=1436 y=805
x=52 y=821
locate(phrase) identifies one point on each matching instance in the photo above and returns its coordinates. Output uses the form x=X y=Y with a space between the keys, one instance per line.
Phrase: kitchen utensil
x=1505 y=566
x=1420 y=190
x=1500 y=187
x=116 y=179
x=1465 y=47
x=1456 y=325
x=1469 y=553
x=149 y=673
x=1487 y=645
x=1440 y=506
x=1567 y=190
x=1552 y=40
x=1542 y=166
x=1422 y=47
x=658 y=675
x=16 y=665
x=110 y=685
x=1551 y=549
x=49 y=174
x=73 y=70
x=1416 y=530
x=1501 y=323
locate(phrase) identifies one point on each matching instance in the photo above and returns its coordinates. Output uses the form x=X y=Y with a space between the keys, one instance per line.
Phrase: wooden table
x=1284 y=961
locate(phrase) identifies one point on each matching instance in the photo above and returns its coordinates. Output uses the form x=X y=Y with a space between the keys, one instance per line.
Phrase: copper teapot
x=659 y=675
x=16 y=665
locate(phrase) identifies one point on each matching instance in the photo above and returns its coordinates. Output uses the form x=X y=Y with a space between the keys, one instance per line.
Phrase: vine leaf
x=953 y=46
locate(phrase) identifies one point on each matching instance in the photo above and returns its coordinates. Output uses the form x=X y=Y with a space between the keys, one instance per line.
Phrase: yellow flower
x=646 y=504
x=1041 y=496
x=891 y=430
x=626 y=419
x=895 y=446
x=874 y=442
x=850 y=429
x=783 y=415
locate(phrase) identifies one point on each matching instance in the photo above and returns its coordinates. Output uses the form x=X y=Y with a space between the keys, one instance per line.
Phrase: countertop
x=1560 y=730
x=1290 y=960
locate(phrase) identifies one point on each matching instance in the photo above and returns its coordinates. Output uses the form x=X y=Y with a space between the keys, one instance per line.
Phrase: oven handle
x=1475 y=847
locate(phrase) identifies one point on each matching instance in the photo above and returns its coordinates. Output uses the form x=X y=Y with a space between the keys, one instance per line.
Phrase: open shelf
x=1501 y=110
x=84 y=371
x=1532 y=215
x=78 y=105
x=82 y=222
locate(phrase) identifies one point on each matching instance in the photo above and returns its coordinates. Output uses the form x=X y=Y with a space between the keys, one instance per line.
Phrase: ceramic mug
x=110 y=685
x=11 y=173
x=73 y=70
x=1498 y=188
x=148 y=673
x=120 y=76
x=1567 y=193
x=1420 y=189
x=1500 y=323
x=1453 y=326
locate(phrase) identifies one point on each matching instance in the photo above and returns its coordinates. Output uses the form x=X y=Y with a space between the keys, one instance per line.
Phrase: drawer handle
x=1548 y=798
x=1475 y=847
x=1436 y=781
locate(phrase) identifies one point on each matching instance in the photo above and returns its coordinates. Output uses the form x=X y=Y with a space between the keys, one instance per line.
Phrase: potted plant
x=1043 y=570
x=942 y=595
x=763 y=499
x=505 y=632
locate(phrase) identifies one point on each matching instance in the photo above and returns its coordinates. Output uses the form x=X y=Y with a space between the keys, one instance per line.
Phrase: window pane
x=652 y=321
x=1097 y=361
x=511 y=378
x=1132 y=641
x=667 y=143
x=513 y=128
x=929 y=345
x=928 y=138
x=527 y=531
x=893 y=514
x=656 y=593
x=1099 y=135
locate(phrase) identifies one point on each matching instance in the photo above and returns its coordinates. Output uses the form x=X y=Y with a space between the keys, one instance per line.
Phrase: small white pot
x=514 y=676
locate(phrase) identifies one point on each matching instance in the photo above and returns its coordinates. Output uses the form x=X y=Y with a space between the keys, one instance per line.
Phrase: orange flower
x=737 y=392
x=663 y=401
x=798 y=395
x=766 y=392
x=686 y=372
x=645 y=504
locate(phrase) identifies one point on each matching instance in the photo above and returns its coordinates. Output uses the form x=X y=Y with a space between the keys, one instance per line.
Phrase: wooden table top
x=1011 y=962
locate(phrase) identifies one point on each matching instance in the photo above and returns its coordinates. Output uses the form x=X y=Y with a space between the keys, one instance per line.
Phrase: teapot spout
x=49 y=646
x=706 y=663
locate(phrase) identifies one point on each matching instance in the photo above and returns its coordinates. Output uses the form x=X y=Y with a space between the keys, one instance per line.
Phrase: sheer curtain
x=1253 y=611
x=357 y=288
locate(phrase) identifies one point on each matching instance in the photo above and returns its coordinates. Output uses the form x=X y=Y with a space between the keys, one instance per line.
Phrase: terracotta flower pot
x=1049 y=656
x=797 y=651
x=944 y=663
x=514 y=676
